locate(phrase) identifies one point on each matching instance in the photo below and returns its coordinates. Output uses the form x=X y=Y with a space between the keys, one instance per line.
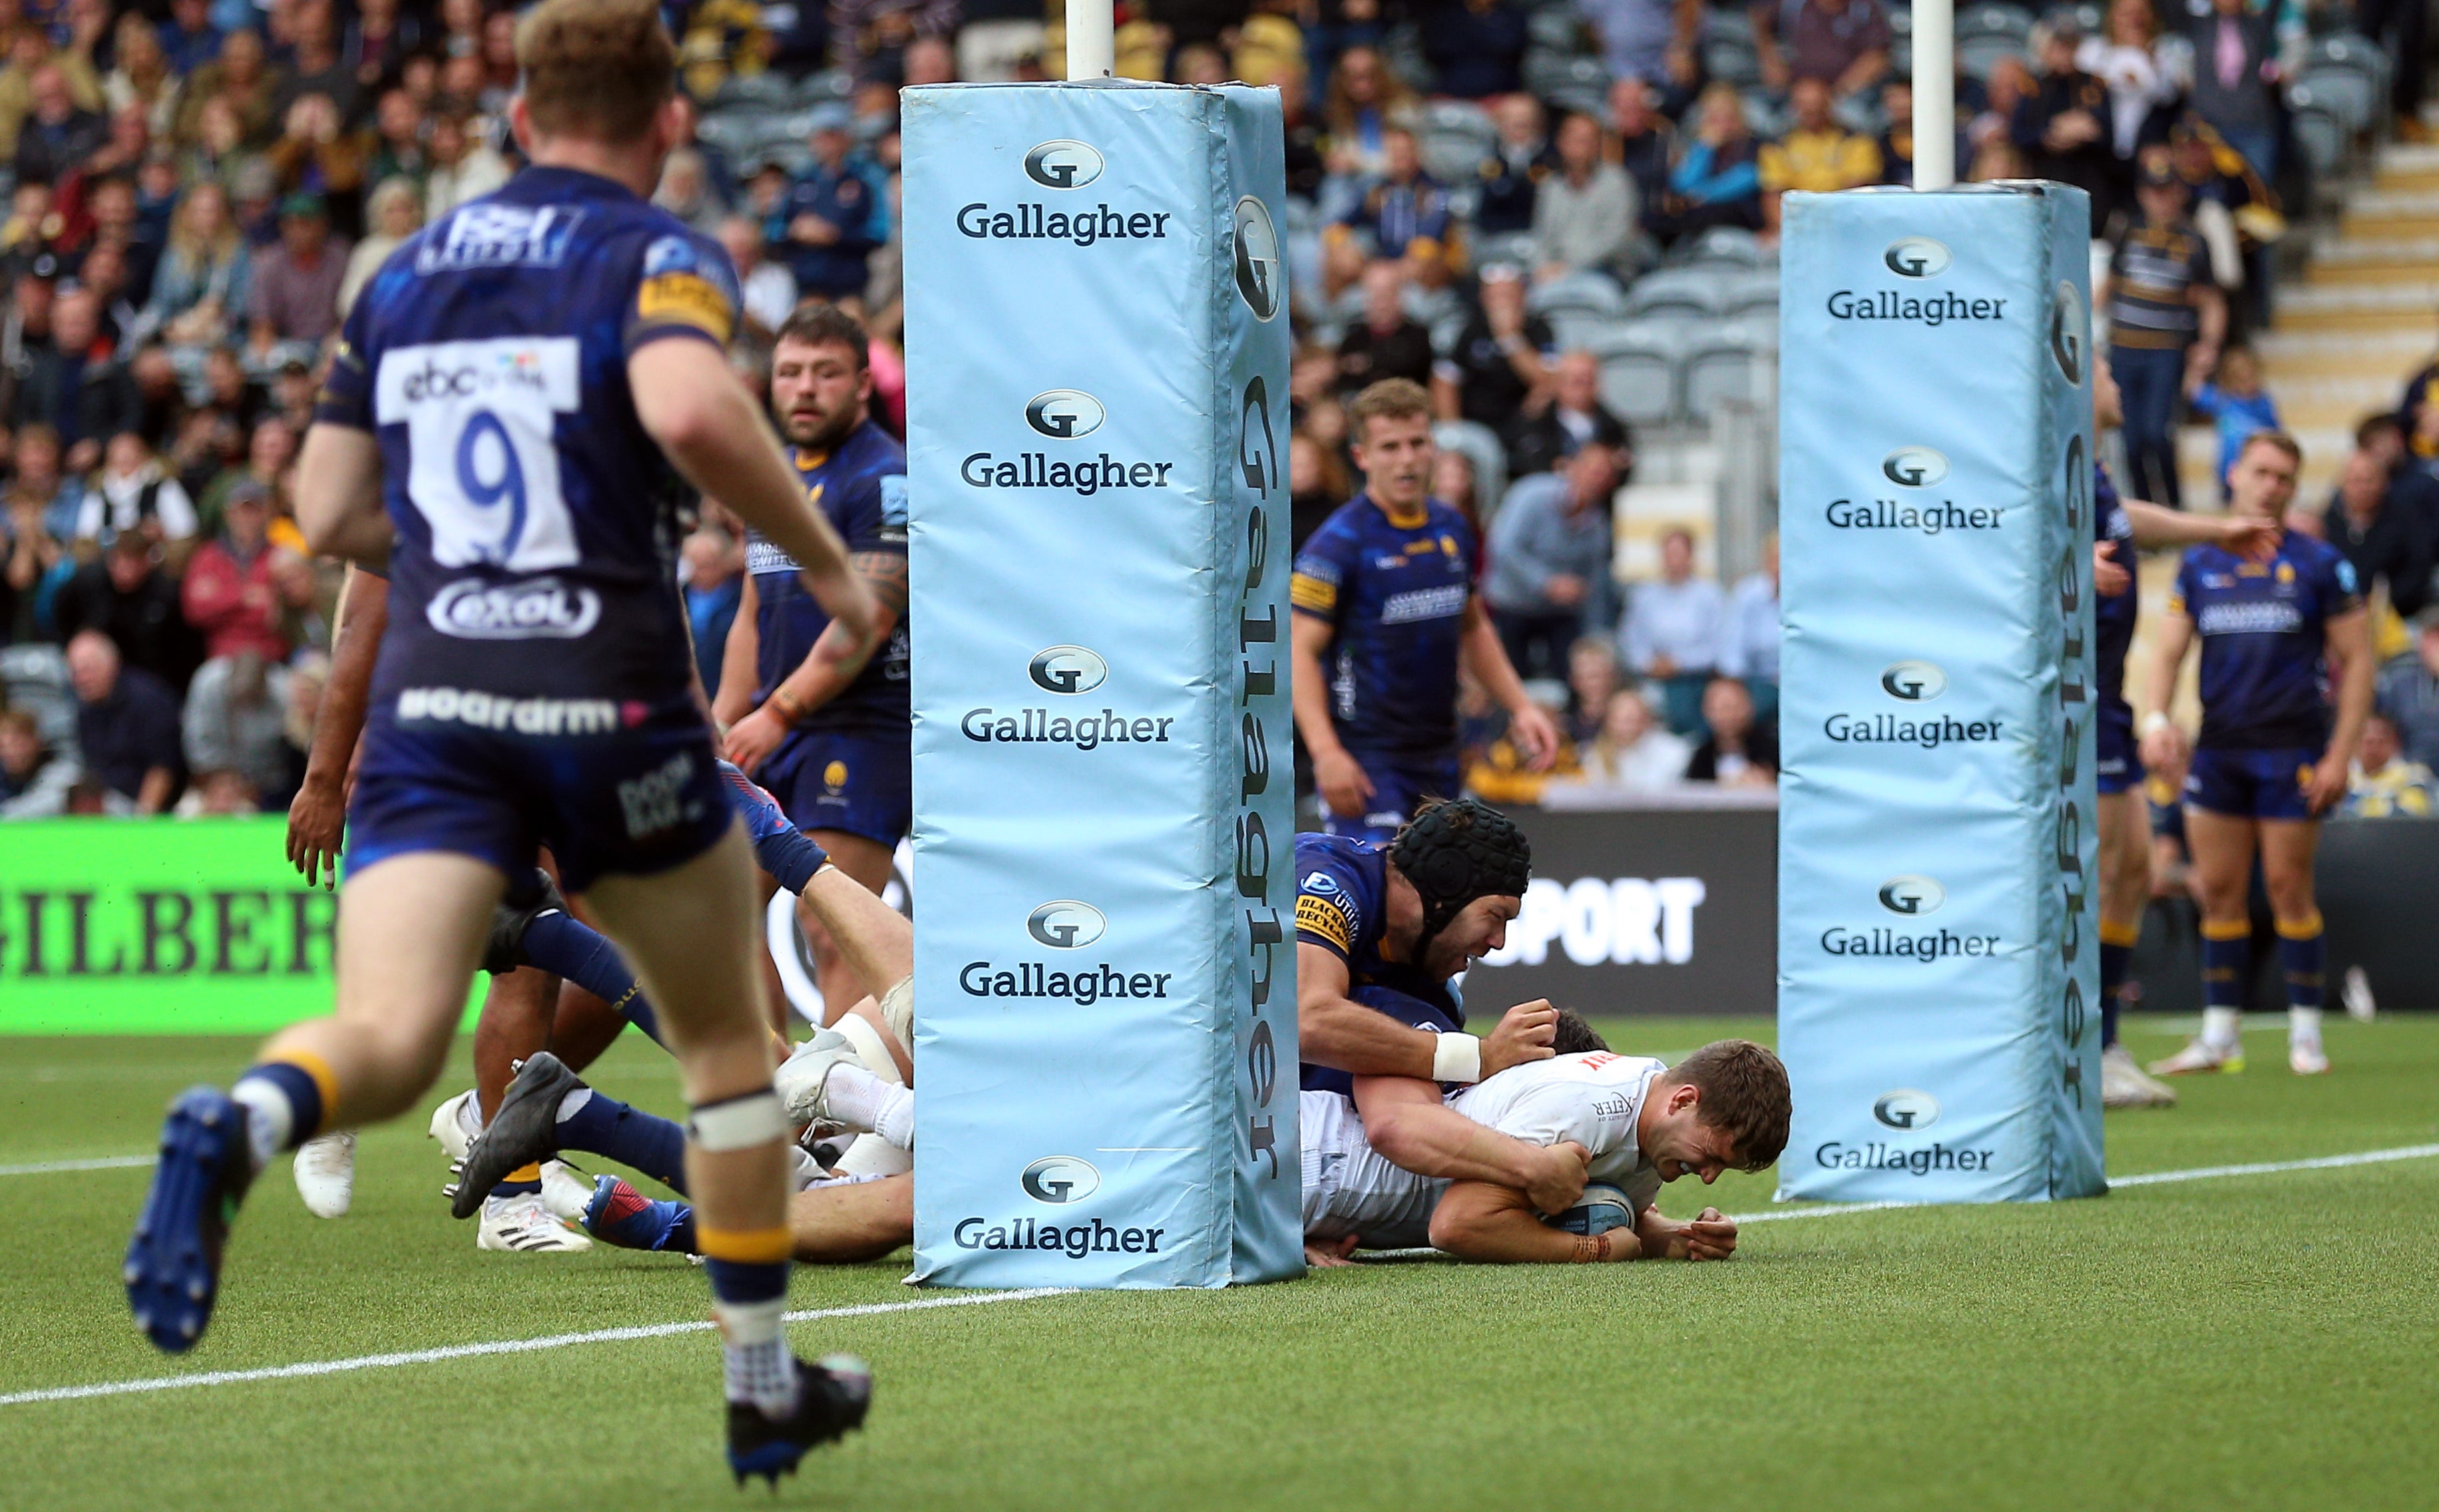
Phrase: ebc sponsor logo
x=491 y=235
x=1068 y=669
x=539 y=609
x=1916 y=258
x=1906 y=1108
x=1914 y=467
x=1076 y=1241
x=1911 y=897
x=1064 y=924
x=1063 y=164
x=1255 y=254
x=1064 y=413
x=1059 y=1178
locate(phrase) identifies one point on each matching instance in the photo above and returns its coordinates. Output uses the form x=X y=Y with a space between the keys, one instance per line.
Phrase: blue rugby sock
x=2226 y=950
x=624 y=1216
x=284 y=1100
x=2116 y=958
x=605 y=1126
x=2302 y=951
x=565 y=946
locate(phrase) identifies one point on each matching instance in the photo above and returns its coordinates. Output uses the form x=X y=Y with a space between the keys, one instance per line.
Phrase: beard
x=822 y=432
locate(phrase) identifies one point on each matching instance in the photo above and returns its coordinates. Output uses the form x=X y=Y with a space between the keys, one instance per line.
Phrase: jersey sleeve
x=2180 y=591
x=683 y=287
x=1328 y=911
x=2340 y=588
x=346 y=394
x=874 y=516
x=1321 y=570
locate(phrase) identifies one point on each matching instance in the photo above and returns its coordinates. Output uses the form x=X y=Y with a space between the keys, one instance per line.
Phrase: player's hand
x=2163 y=748
x=1534 y=736
x=753 y=739
x=2109 y=580
x=2248 y=536
x=1345 y=789
x=1522 y=1034
x=2327 y=783
x=1555 y=1178
x=1711 y=1236
x=1329 y=1255
x=317 y=823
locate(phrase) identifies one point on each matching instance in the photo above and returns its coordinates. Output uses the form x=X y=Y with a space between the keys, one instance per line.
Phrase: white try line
x=504 y=1346
x=102 y=1163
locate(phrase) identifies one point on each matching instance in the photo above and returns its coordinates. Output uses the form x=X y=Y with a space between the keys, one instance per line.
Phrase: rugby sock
x=567 y=946
x=285 y=1100
x=2116 y=957
x=605 y=1126
x=2300 y=956
x=624 y=1216
x=859 y=1098
x=750 y=1297
x=523 y=1181
x=2226 y=950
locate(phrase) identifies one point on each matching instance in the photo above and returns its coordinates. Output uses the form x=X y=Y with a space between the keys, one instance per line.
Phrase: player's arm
x=317 y=819
x=1334 y=1030
x=693 y=405
x=2163 y=743
x=1485 y=1220
x=2155 y=527
x=339 y=497
x=1344 y=784
x=2347 y=638
x=1407 y=1125
x=838 y=657
x=734 y=699
x=1482 y=654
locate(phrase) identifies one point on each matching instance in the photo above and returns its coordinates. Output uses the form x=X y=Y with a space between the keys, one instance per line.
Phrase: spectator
x=189 y=39
x=56 y=134
x=1738 y=753
x=1635 y=751
x=833 y=215
x=686 y=191
x=74 y=386
x=878 y=32
x=1749 y=647
x=133 y=495
x=2010 y=85
x=399 y=151
x=1403 y=214
x=1648 y=39
x=2237 y=406
x=240 y=75
x=236 y=721
x=2409 y=484
x=1513 y=173
x=2140 y=76
x=1592 y=682
x=2382 y=783
x=38 y=492
x=2062 y=127
x=315 y=67
x=2165 y=321
x=1670 y=634
x=1475 y=48
x=126 y=596
x=377 y=41
x=1387 y=342
x=1716 y=179
x=127 y=725
x=2236 y=78
x=463 y=167
x=1454 y=483
x=1584 y=215
x=206 y=276
x=1845 y=44
x=1549 y=561
x=2408 y=692
x=1317 y=485
x=713 y=569
x=319 y=153
x=1896 y=141
x=1502 y=356
x=394 y=212
x=30 y=52
x=34 y=779
x=233 y=595
x=218 y=150
x=1498 y=772
x=118 y=223
x=1646 y=142
x=34 y=557
x=768 y=289
x=2386 y=538
x=2402 y=27
x=1816 y=155
x=1365 y=100
x=295 y=299
x=1566 y=416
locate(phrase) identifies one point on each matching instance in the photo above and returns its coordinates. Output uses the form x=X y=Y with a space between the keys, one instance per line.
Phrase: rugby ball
x=1603 y=1208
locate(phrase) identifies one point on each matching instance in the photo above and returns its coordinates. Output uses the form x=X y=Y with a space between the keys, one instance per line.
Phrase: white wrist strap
x=2154 y=721
x=1457 y=1057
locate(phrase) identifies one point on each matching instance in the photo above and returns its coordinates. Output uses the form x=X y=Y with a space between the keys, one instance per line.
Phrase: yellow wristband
x=791 y=707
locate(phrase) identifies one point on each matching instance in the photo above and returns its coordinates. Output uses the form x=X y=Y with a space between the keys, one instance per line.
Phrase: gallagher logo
x=1067 y=669
x=1066 y=924
x=1063 y=165
x=1914 y=466
x=1064 y=413
x=1914 y=681
x=2069 y=328
x=1916 y=258
x=1912 y=895
x=1057 y=1178
x=1907 y=1109
x=1256 y=256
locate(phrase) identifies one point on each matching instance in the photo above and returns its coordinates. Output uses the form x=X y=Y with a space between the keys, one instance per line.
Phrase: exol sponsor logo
x=1067 y=669
x=2070 y=330
x=1916 y=258
x=1062 y=163
x=1906 y=1108
x=496 y=711
x=1057 y=1178
x=1075 y=1242
x=1256 y=253
x=1912 y=895
x=1914 y=466
x=1596 y=922
x=1837 y=1156
x=1914 y=681
x=1930 y=519
x=1064 y=413
x=1915 y=309
x=541 y=609
x=1065 y=924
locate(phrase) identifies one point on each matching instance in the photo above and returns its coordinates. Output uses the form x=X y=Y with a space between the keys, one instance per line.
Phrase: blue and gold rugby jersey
x=2264 y=680
x=1397 y=596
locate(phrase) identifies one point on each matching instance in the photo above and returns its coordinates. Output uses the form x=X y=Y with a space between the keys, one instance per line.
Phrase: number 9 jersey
x=535 y=548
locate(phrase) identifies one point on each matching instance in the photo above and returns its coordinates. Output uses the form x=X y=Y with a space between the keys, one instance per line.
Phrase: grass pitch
x=2251 y=1341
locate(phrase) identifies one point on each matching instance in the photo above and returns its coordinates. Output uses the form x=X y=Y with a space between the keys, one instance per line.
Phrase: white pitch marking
x=105 y=1163
x=504 y=1346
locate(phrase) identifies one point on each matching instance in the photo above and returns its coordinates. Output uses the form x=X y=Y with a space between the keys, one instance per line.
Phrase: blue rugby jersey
x=862 y=487
x=2113 y=620
x=535 y=550
x=1396 y=595
x=2263 y=680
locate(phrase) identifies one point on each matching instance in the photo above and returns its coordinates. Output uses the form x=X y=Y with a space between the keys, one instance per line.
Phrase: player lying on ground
x=516 y=400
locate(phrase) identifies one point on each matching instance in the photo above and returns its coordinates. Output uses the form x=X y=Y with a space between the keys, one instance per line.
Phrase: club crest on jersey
x=500 y=235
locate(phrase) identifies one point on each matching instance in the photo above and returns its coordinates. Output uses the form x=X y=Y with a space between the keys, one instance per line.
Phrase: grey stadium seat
x=1752 y=296
x=1638 y=379
x=1729 y=246
x=1693 y=292
x=1724 y=362
x=2345 y=93
x=2323 y=138
x=2012 y=21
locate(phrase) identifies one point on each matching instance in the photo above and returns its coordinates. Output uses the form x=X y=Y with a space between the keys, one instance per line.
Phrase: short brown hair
x=818 y=323
x=599 y=68
x=1744 y=1095
x=1395 y=399
x=2277 y=440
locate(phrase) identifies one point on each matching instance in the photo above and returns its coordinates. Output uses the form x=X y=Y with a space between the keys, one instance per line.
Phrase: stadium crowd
x=198 y=188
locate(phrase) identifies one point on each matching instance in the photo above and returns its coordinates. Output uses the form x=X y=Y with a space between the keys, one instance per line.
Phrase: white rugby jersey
x=1592 y=1098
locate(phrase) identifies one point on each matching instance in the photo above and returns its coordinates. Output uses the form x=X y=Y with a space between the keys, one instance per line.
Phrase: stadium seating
x=1727 y=360
x=1639 y=363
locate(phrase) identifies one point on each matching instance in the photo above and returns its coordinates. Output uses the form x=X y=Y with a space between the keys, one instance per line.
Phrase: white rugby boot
x=2201 y=1056
x=524 y=1222
x=2307 y=1059
x=326 y=1173
x=801 y=1077
x=2124 y=1085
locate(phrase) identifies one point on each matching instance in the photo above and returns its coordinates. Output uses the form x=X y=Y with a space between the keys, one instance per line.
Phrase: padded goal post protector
x=1938 y=990
x=1096 y=341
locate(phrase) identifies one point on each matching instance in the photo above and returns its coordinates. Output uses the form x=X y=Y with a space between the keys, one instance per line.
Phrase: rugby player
x=814 y=714
x=2275 y=632
x=2119 y=525
x=516 y=397
x=1386 y=614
